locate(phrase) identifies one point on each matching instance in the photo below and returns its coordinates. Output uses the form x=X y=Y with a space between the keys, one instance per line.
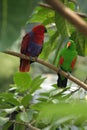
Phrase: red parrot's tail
x=24 y=65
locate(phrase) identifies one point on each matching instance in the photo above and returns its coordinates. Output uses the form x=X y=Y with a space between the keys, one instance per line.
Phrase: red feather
x=37 y=38
x=25 y=64
x=25 y=43
x=61 y=60
x=73 y=63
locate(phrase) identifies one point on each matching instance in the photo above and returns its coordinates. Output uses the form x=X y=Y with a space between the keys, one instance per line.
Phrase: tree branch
x=83 y=15
x=73 y=18
x=57 y=70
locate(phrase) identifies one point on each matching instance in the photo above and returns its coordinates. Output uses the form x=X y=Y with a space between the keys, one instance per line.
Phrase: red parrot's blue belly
x=34 y=49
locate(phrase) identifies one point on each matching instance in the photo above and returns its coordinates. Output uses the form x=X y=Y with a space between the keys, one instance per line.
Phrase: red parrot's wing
x=25 y=43
x=61 y=60
x=25 y=64
x=73 y=63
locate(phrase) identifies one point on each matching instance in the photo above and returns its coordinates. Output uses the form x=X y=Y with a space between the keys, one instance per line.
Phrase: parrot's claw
x=30 y=57
x=68 y=74
x=59 y=69
x=36 y=58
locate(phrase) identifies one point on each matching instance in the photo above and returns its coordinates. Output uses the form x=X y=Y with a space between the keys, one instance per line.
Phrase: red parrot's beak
x=68 y=44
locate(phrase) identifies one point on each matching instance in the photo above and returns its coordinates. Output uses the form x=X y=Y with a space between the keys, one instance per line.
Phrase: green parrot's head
x=71 y=45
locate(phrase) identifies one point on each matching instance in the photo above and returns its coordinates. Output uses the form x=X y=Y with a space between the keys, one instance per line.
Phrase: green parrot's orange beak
x=68 y=44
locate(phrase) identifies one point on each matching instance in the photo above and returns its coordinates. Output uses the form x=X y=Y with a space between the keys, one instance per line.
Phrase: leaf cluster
x=51 y=110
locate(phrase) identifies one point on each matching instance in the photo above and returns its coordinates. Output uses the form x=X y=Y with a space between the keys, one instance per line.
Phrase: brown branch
x=83 y=15
x=73 y=18
x=57 y=70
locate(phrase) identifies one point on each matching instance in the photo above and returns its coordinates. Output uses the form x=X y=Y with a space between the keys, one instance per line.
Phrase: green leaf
x=35 y=84
x=81 y=43
x=10 y=110
x=22 y=80
x=50 y=45
x=13 y=16
x=3 y=120
x=7 y=125
x=26 y=100
x=61 y=111
x=13 y=101
x=19 y=126
x=6 y=95
x=8 y=99
x=42 y=15
x=60 y=43
x=61 y=25
x=26 y=116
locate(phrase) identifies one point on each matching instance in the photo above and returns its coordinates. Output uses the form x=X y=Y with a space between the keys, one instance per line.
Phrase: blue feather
x=34 y=49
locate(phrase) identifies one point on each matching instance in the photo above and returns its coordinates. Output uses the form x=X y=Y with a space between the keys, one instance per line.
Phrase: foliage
x=49 y=111
x=13 y=16
x=52 y=110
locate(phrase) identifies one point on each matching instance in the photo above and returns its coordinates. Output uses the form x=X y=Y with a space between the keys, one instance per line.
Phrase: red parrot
x=32 y=45
x=66 y=60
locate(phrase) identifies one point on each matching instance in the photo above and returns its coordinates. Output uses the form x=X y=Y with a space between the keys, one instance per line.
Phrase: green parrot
x=66 y=61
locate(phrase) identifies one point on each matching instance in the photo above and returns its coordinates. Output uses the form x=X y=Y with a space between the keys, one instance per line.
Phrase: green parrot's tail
x=62 y=83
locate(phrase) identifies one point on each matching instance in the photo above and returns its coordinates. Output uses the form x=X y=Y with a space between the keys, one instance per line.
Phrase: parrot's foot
x=59 y=70
x=36 y=58
x=32 y=59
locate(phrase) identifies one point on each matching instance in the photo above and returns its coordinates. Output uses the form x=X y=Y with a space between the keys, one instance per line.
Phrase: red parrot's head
x=39 y=29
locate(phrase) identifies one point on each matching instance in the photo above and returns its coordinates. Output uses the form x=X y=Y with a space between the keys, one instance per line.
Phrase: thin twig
x=72 y=92
x=72 y=17
x=29 y=126
x=46 y=6
x=83 y=15
x=57 y=70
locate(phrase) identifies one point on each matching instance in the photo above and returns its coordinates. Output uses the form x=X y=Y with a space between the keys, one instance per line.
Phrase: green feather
x=68 y=54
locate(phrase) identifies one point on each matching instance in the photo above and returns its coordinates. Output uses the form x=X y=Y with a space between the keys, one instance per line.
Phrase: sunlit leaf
x=35 y=84
x=3 y=120
x=22 y=80
x=10 y=110
x=60 y=112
